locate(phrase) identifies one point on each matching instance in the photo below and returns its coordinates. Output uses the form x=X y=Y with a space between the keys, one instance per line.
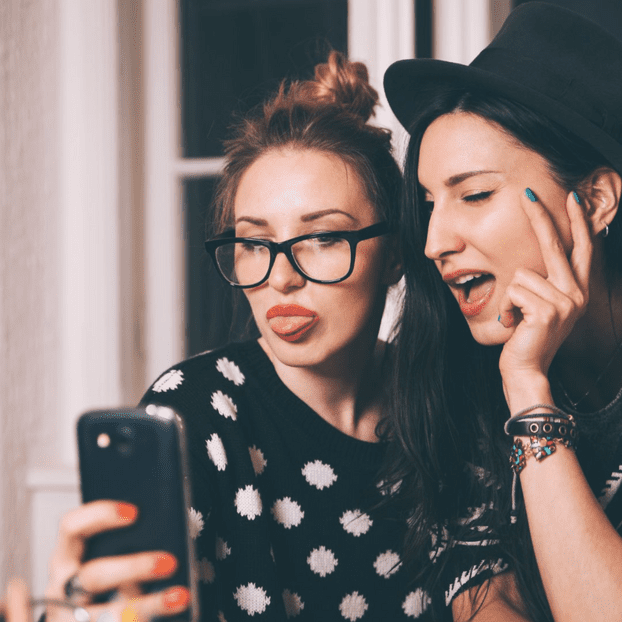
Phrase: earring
x=605 y=232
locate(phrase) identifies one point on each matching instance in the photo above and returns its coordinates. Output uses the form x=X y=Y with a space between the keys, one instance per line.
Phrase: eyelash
x=476 y=198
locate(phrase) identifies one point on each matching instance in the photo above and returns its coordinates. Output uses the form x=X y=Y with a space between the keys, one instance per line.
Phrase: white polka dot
x=222 y=550
x=293 y=604
x=416 y=603
x=353 y=606
x=216 y=451
x=224 y=405
x=258 y=460
x=319 y=474
x=195 y=523
x=207 y=572
x=322 y=561
x=356 y=522
x=387 y=563
x=248 y=502
x=170 y=380
x=287 y=512
x=251 y=599
x=230 y=371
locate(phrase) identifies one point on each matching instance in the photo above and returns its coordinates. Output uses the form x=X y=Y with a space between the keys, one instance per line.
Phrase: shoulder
x=202 y=375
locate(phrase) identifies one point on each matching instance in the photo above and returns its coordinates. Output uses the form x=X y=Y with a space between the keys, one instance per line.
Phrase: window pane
x=234 y=52
x=216 y=313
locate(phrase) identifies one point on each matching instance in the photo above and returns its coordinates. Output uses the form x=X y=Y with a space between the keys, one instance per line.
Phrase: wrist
x=525 y=390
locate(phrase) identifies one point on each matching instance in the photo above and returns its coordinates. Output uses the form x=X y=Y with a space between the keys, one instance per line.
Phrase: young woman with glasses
x=284 y=431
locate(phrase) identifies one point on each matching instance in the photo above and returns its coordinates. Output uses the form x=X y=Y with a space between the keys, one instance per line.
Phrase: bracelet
x=539 y=447
x=530 y=408
x=541 y=424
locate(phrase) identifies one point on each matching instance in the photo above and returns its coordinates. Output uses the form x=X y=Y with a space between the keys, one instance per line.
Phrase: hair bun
x=346 y=84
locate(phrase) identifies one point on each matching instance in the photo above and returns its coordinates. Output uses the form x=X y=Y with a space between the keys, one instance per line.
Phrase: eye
x=428 y=206
x=477 y=197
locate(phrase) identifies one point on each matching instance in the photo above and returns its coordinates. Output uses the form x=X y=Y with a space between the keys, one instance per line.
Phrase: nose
x=443 y=238
x=283 y=277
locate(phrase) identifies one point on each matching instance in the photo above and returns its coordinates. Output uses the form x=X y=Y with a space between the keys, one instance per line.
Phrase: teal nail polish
x=499 y=318
x=576 y=197
x=530 y=195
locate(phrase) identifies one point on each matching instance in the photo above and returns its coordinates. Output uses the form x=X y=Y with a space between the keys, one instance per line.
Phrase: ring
x=73 y=588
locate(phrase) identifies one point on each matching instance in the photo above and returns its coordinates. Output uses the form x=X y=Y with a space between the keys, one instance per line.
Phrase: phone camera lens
x=125 y=449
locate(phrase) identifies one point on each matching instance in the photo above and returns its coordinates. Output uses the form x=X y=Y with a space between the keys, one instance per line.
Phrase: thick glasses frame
x=285 y=247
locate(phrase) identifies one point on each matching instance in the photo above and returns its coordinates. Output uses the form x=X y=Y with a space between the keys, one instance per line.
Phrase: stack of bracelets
x=538 y=435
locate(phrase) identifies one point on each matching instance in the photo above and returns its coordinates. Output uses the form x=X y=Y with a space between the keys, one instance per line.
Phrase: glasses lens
x=243 y=263
x=323 y=258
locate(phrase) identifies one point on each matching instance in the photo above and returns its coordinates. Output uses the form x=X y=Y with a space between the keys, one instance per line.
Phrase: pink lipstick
x=291 y=322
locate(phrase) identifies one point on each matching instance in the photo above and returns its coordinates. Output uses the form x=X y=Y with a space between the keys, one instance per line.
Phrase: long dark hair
x=448 y=405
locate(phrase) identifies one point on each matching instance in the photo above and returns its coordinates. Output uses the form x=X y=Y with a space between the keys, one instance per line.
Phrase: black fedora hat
x=548 y=58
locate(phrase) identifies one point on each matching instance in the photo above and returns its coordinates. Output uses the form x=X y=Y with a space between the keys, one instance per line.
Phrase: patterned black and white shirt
x=285 y=506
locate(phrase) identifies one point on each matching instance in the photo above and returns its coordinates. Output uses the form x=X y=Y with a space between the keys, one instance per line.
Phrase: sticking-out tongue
x=479 y=287
x=286 y=325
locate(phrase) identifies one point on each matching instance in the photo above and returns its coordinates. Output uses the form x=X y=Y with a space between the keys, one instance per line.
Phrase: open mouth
x=474 y=291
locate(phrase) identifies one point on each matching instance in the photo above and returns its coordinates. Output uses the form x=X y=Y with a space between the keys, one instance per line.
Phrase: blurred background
x=113 y=114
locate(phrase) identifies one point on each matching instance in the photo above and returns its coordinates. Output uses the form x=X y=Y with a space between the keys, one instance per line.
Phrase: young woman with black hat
x=513 y=189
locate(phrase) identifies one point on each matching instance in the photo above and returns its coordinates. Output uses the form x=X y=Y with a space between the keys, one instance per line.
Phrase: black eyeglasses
x=319 y=257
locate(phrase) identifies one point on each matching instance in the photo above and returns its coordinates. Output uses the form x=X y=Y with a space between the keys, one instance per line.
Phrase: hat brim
x=412 y=85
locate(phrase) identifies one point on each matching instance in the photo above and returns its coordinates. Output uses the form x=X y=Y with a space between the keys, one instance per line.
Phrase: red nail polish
x=127 y=511
x=177 y=597
x=165 y=564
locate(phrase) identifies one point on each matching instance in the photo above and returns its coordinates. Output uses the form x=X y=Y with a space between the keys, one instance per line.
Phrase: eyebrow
x=454 y=180
x=260 y=222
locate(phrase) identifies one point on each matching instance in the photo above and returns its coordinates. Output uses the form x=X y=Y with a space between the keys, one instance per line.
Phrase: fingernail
x=576 y=197
x=127 y=511
x=530 y=195
x=165 y=564
x=129 y=614
x=499 y=318
x=176 y=597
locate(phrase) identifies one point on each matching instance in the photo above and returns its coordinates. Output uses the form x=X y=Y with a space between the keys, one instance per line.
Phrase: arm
x=579 y=553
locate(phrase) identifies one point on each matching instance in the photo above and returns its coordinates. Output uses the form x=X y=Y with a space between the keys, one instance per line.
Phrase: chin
x=489 y=333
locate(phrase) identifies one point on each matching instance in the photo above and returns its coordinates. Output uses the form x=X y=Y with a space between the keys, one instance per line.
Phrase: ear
x=394 y=266
x=602 y=192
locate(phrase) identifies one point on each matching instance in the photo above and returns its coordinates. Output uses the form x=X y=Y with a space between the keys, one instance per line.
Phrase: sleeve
x=468 y=549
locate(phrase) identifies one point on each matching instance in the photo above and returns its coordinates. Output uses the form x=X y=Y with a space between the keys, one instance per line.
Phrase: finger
x=124 y=572
x=78 y=525
x=17 y=605
x=148 y=606
x=553 y=254
x=582 y=247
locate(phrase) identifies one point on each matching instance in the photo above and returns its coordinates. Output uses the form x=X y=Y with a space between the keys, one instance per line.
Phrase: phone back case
x=137 y=455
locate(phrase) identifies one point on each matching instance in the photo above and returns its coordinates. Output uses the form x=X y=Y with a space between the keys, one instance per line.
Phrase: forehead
x=459 y=142
x=292 y=182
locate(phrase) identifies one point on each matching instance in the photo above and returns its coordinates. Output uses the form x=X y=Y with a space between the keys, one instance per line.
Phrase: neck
x=590 y=360
x=346 y=391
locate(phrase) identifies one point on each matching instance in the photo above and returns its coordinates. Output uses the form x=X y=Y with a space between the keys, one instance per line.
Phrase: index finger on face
x=553 y=253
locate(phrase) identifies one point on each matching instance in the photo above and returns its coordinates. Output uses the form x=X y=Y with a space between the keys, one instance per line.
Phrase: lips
x=291 y=322
x=474 y=289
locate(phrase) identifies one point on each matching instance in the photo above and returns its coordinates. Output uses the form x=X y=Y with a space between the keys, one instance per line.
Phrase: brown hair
x=328 y=114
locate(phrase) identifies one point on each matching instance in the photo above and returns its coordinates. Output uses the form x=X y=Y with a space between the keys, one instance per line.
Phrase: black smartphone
x=138 y=456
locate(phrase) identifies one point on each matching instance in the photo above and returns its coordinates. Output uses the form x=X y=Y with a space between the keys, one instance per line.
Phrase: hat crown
x=545 y=57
